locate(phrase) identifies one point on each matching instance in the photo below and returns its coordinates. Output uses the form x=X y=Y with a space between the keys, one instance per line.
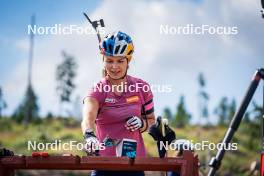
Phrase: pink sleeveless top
x=114 y=111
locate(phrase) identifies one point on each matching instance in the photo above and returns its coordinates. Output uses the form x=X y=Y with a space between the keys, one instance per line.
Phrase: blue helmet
x=117 y=44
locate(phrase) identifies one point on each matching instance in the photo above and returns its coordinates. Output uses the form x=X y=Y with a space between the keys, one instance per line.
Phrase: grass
x=15 y=136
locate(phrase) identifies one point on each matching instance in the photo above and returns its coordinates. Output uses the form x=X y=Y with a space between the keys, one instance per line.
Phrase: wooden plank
x=140 y=163
x=187 y=164
x=53 y=162
x=14 y=162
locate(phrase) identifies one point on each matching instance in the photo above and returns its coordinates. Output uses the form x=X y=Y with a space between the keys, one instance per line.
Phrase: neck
x=117 y=82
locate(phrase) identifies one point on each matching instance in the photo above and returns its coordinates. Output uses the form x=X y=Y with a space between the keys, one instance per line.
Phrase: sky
x=228 y=61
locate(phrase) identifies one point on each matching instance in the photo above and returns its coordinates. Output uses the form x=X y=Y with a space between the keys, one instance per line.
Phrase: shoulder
x=135 y=80
x=97 y=91
x=103 y=81
x=100 y=86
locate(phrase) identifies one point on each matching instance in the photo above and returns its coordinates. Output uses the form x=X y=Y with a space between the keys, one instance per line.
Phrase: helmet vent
x=123 y=49
x=110 y=49
x=120 y=38
x=116 y=49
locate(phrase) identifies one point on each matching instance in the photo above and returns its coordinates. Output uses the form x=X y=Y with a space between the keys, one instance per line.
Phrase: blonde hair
x=104 y=73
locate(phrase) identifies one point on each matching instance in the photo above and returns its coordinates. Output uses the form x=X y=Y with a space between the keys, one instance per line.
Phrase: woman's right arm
x=89 y=113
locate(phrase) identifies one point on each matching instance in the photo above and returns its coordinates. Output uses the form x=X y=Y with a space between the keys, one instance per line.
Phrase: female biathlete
x=120 y=106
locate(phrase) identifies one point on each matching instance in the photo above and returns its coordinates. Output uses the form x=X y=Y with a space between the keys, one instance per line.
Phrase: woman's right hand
x=92 y=144
x=90 y=110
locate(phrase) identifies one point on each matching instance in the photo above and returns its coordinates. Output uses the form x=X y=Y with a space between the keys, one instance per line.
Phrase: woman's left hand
x=134 y=123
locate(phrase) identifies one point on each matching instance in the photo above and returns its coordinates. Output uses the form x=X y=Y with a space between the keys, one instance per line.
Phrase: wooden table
x=187 y=164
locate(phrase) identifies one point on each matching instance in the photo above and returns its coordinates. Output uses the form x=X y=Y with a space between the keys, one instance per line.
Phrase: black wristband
x=88 y=134
x=145 y=129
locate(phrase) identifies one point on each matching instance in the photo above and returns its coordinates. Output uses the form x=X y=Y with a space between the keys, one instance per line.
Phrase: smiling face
x=116 y=66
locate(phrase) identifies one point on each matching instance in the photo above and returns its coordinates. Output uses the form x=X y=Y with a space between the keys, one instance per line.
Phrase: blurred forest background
x=27 y=125
x=194 y=64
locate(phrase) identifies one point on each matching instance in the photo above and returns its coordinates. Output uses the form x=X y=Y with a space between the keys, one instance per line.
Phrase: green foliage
x=167 y=114
x=182 y=117
x=65 y=74
x=3 y=104
x=203 y=97
x=6 y=124
x=15 y=137
x=225 y=111
x=232 y=109
x=70 y=122
x=28 y=110
x=222 y=111
x=251 y=126
x=49 y=116
x=234 y=162
x=257 y=112
x=201 y=80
